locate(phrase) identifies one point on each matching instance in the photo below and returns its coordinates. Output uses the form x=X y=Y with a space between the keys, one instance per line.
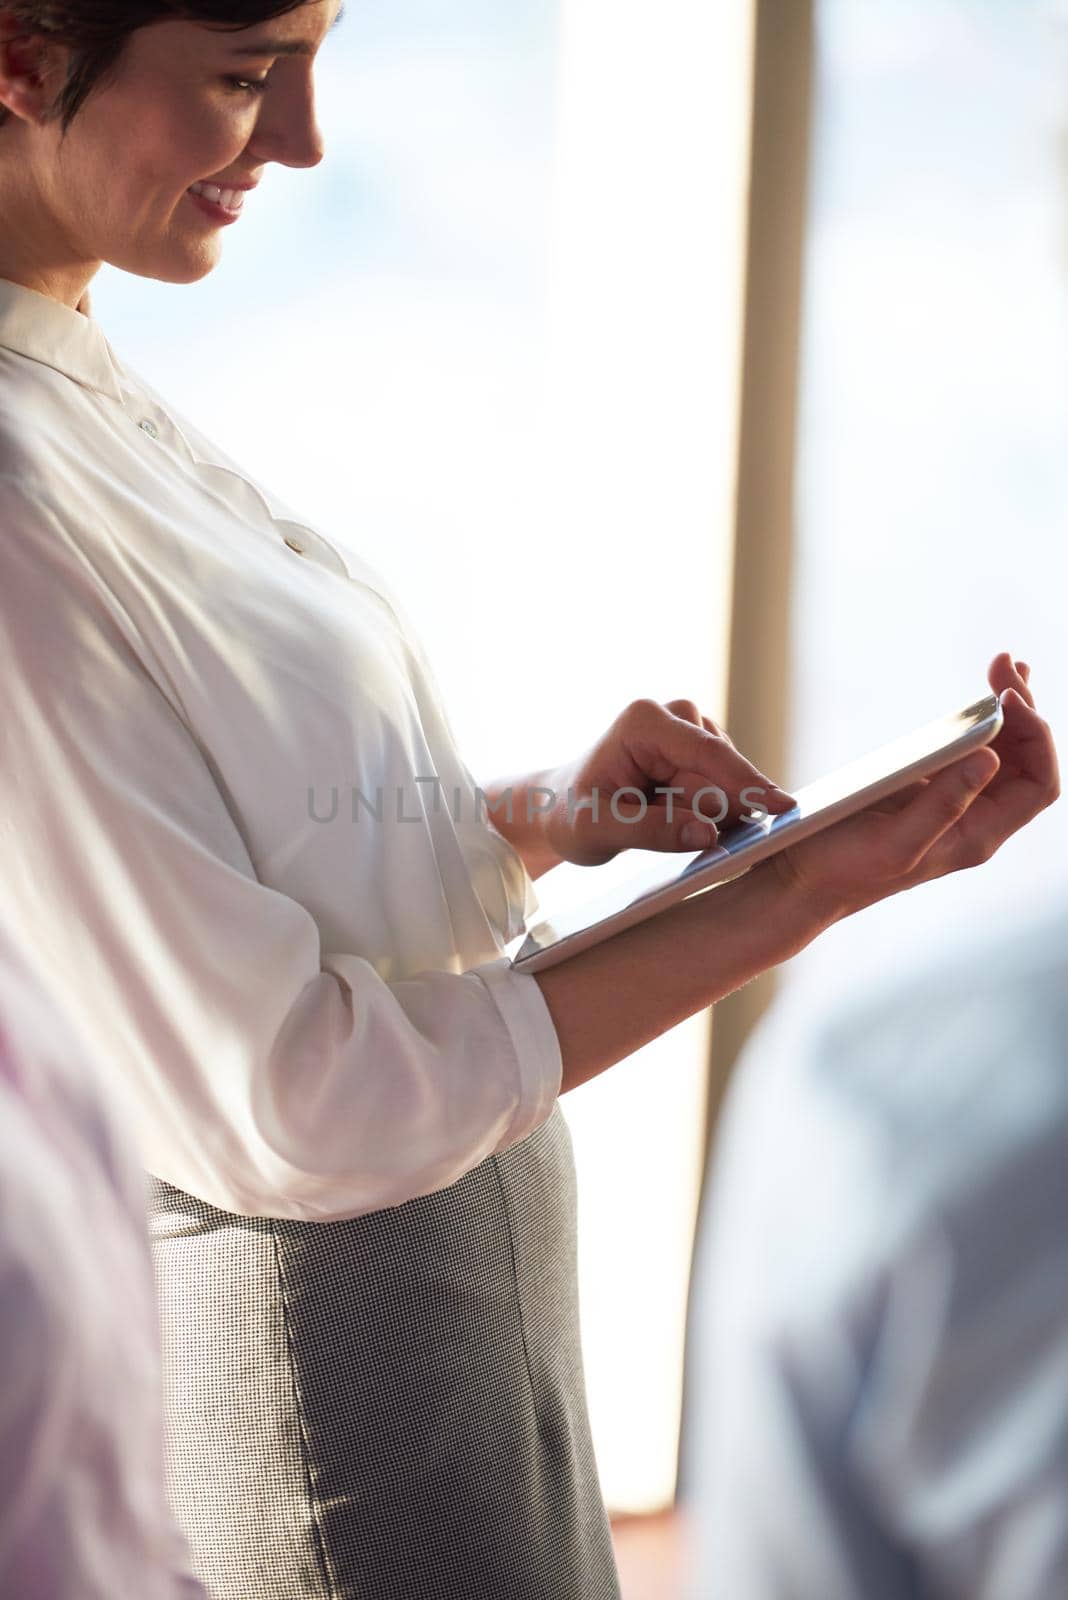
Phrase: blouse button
x=293 y=545
x=148 y=426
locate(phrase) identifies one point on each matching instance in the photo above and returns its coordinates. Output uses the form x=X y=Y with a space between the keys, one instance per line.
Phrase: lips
x=229 y=199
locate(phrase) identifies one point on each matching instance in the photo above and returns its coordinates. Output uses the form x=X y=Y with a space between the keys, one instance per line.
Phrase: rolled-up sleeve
x=262 y=1072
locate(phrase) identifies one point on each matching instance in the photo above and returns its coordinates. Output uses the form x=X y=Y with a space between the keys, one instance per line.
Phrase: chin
x=192 y=272
x=172 y=266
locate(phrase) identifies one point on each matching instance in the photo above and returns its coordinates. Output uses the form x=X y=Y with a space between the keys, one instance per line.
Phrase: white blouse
x=214 y=844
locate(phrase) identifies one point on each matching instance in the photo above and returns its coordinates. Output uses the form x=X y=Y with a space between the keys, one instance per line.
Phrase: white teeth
x=230 y=199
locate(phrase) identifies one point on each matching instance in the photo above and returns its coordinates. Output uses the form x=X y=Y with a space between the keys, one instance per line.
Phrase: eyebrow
x=285 y=47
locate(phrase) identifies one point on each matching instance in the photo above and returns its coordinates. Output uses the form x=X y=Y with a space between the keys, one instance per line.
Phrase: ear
x=32 y=69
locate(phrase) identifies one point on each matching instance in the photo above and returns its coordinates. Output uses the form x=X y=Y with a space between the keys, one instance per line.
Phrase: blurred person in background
x=83 y=1513
x=363 y=1205
x=881 y=1323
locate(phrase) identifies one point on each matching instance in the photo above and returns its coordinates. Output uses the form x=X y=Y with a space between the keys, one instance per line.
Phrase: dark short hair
x=96 y=31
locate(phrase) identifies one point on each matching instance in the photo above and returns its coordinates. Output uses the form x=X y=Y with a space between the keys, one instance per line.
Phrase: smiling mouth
x=230 y=200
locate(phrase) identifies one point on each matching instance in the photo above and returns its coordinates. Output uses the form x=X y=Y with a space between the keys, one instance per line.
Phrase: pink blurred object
x=82 y=1507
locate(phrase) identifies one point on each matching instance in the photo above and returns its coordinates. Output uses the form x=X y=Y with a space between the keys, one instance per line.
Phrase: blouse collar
x=72 y=342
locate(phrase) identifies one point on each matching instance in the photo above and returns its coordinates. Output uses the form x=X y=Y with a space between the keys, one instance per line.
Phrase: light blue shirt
x=881 y=1330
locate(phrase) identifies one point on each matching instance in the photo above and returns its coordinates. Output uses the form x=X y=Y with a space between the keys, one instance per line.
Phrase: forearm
x=516 y=808
x=610 y=1000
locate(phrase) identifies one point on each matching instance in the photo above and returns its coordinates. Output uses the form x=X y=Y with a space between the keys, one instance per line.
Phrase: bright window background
x=491 y=342
x=934 y=421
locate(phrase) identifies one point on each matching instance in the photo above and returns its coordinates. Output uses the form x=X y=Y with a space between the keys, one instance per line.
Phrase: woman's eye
x=248 y=85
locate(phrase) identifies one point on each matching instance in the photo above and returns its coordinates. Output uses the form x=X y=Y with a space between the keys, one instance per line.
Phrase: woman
x=363 y=1202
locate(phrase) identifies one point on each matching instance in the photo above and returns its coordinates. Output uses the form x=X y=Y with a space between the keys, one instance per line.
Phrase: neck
x=34 y=251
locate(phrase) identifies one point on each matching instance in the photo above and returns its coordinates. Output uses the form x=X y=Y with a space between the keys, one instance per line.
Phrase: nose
x=287 y=130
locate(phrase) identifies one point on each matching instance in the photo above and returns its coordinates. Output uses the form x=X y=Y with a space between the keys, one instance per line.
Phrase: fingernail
x=695 y=836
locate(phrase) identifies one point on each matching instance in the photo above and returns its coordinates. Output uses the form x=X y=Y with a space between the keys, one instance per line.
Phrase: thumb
x=687 y=830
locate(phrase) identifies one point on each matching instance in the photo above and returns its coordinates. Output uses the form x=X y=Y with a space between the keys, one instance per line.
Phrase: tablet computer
x=677 y=875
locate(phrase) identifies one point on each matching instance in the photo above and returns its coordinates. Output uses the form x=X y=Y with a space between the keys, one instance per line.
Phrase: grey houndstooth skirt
x=390 y=1407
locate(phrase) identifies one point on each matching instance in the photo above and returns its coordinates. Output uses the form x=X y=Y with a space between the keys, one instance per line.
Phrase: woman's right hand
x=956 y=819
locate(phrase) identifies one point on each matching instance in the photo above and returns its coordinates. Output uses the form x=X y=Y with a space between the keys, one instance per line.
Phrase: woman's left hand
x=607 y=800
x=874 y=854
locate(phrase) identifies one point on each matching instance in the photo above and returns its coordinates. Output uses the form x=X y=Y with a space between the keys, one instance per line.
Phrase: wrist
x=777 y=910
x=516 y=809
x=822 y=907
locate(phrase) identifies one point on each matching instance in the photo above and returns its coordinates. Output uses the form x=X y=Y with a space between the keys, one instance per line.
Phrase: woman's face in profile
x=187 y=105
